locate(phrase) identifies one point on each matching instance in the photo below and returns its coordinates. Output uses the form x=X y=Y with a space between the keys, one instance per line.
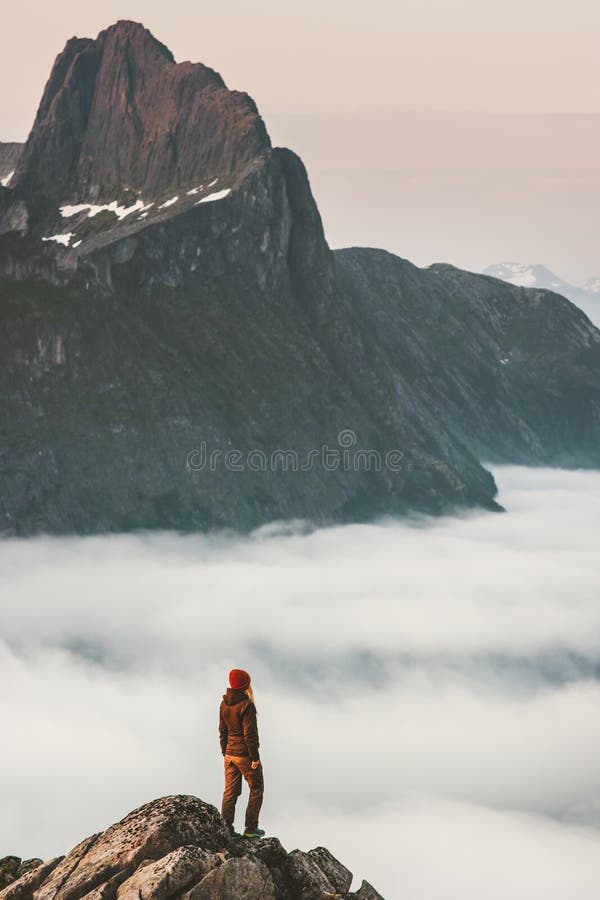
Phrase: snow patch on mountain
x=170 y=202
x=217 y=195
x=63 y=239
x=93 y=209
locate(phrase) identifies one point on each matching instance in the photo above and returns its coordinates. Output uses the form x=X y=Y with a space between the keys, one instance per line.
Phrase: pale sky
x=375 y=95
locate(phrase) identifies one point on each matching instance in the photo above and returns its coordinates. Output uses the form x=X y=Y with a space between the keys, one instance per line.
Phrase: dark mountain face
x=513 y=373
x=9 y=157
x=167 y=287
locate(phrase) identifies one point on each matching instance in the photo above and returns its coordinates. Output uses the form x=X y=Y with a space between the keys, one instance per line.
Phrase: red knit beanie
x=239 y=680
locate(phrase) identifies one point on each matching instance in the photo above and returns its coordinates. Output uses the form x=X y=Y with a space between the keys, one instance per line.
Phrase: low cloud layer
x=428 y=691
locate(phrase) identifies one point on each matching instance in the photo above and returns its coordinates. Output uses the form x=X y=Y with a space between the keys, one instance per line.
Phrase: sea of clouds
x=428 y=690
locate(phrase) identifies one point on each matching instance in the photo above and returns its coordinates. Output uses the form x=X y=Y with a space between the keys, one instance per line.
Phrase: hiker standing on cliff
x=238 y=734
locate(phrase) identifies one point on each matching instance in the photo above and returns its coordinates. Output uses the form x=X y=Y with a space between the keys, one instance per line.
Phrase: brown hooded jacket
x=238 y=731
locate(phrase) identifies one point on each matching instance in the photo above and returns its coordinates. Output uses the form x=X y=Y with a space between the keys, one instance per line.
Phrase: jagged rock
x=169 y=875
x=66 y=868
x=28 y=881
x=12 y=868
x=28 y=865
x=179 y=847
x=236 y=879
x=337 y=874
x=9 y=866
x=108 y=889
x=366 y=892
x=307 y=878
x=148 y=833
x=269 y=851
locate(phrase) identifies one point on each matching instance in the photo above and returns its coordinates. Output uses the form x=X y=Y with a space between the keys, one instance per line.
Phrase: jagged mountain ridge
x=179 y=847
x=220 y=315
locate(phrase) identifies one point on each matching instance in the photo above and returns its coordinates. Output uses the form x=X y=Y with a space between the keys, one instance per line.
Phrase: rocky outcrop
x=181 y=349
x=13 y=868
x=179 y=847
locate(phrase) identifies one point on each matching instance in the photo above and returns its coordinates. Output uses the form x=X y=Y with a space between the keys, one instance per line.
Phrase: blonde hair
x=249 y=693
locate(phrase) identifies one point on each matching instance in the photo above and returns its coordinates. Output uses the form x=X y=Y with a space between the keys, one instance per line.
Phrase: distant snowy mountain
x=586 y=297
x=592 y=286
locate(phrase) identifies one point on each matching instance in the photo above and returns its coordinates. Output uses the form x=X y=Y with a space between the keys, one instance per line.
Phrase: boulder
x=236 y=879
x=337 y=874
x=9 y=866
x=28 y=865
x=148 y=833
x=270 y=852
x=306 y=878
x=170 y=875
x=30 y=879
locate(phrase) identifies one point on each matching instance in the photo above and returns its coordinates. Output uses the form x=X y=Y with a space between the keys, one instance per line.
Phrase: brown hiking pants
x=235 y=768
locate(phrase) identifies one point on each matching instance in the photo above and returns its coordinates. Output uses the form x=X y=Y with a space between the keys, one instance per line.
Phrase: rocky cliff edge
x=179 y=847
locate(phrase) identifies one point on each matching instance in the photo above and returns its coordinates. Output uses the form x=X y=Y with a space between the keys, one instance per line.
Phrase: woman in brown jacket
x=238 y=735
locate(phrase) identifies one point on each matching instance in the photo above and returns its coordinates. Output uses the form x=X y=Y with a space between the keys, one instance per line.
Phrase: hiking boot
x=254 y=833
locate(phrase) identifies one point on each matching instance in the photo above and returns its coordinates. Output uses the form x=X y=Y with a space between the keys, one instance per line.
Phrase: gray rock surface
x=236 y=879
x=168 y=875
x=308 y=877
x=337 y=874
x=179 y=847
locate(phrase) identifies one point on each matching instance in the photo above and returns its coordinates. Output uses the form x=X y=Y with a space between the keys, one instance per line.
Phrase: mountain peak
x=126 y=33
x=118 y=114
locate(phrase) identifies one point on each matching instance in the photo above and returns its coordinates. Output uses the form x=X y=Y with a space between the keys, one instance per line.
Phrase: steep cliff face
x=168 y=298
x=180 y=847
x=9 y=157
x=124 y=137
x=118 y=114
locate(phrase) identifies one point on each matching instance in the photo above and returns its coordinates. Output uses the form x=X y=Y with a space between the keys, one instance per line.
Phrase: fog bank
x=428 y=690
